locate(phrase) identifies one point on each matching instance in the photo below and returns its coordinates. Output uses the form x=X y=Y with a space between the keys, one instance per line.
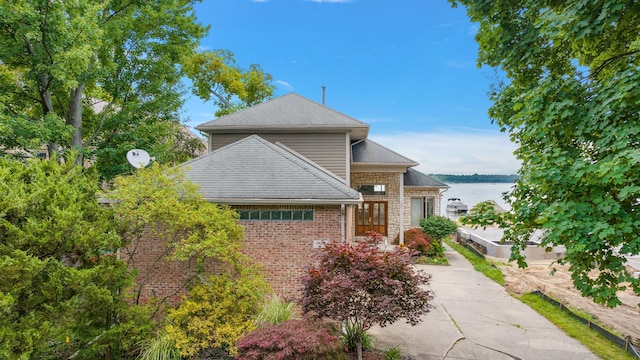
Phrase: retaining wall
x=498 y=250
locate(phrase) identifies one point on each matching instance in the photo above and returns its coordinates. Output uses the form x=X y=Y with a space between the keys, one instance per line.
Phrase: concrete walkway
x=475 y=318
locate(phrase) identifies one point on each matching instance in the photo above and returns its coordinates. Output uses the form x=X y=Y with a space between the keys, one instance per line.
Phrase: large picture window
x=371 y=216
x=421 y=208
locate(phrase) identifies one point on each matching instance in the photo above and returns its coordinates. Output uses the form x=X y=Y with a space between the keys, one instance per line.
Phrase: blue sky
x=405 y=67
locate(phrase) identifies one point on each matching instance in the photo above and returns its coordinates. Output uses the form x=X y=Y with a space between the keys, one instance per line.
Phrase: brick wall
x=157 y=277
x=285 y=248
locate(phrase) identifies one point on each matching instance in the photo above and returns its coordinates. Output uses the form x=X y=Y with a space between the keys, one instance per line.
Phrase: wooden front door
x=371 y=216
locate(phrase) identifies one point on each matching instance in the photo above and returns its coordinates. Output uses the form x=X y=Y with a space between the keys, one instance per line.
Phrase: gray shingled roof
x=369 y=152
x=415 y=178
x=254 y=171
x=288 y=112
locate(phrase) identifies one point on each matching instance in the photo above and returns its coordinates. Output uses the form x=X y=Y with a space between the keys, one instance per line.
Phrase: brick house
x=300 y=174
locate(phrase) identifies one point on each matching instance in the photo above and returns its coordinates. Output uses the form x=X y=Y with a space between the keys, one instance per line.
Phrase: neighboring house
x=301 y=174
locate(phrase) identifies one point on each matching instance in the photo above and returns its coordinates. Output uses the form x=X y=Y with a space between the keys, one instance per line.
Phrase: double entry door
x=371 y=216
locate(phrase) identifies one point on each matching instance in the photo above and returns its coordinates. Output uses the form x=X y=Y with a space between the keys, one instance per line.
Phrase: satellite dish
x=138 y=158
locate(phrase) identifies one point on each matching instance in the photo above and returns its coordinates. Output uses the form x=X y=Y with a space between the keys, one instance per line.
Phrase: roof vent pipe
x=323 y=90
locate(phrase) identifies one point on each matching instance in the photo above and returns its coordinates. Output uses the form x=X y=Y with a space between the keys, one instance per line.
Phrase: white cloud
x=459 y=151
x=450 y=24
x=473 y=29
x=284 y=84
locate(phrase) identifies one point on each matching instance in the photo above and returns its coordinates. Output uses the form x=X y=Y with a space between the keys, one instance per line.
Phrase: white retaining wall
x=504 y=251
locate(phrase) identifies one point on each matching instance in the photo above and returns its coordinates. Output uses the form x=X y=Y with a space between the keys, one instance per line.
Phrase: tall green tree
x=98 y=76
x=62 y=285
x=571 y=102
x=216 y=77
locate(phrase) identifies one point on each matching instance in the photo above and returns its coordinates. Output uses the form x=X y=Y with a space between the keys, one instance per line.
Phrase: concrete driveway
x=475 y=318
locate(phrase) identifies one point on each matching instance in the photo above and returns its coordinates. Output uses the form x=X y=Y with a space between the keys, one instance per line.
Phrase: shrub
x=424 y=245
x=215 y=314
x=438 y=227
x=293 y=339
x=418 y=241
x=436 y=249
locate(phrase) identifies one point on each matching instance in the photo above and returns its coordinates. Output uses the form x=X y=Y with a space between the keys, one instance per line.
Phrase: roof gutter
x=428 y=186
x=244 y=201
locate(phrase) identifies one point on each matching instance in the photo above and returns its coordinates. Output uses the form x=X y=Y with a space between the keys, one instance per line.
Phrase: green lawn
x=598 y=344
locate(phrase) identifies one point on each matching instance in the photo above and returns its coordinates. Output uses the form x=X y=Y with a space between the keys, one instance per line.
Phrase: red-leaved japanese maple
x=362 y=286
x=292 y=339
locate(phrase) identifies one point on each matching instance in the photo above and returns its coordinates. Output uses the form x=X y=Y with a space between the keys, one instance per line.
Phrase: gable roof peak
x=255 y=171
x=290 y=112
x=370 y=152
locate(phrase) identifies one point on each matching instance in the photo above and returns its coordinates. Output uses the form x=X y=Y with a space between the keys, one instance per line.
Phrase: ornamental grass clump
x=275 y=311
x=160 y=348
x=352 y=334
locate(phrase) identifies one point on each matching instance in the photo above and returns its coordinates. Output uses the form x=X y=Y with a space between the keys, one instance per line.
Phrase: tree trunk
x=47 y=107
x=359 y=349
x=74 y=118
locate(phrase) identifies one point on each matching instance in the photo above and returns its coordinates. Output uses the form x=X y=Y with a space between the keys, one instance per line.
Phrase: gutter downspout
x=440 y=200
x=401 y=208
x=342 y=224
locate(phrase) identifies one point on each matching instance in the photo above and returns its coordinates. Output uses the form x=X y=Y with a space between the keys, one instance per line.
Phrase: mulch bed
x=373 y=355
x=367 y=355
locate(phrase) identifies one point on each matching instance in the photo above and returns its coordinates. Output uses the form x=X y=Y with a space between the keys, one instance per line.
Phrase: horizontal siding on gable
x=328 y=150
x=216 y=141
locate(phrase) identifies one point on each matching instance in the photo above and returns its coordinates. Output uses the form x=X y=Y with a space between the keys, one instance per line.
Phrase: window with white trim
x=421 y=208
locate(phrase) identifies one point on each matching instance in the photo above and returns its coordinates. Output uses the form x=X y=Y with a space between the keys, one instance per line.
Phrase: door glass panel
x=383 y=215
x=367 y=214
x=376 y=214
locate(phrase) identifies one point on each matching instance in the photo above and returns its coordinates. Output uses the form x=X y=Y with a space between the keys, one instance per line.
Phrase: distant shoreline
x=475 y=178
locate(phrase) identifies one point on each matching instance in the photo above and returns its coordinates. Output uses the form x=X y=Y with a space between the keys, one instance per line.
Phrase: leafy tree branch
x=577 y=136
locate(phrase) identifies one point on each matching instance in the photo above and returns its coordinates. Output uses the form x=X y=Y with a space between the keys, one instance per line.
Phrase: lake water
x=474 y=193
